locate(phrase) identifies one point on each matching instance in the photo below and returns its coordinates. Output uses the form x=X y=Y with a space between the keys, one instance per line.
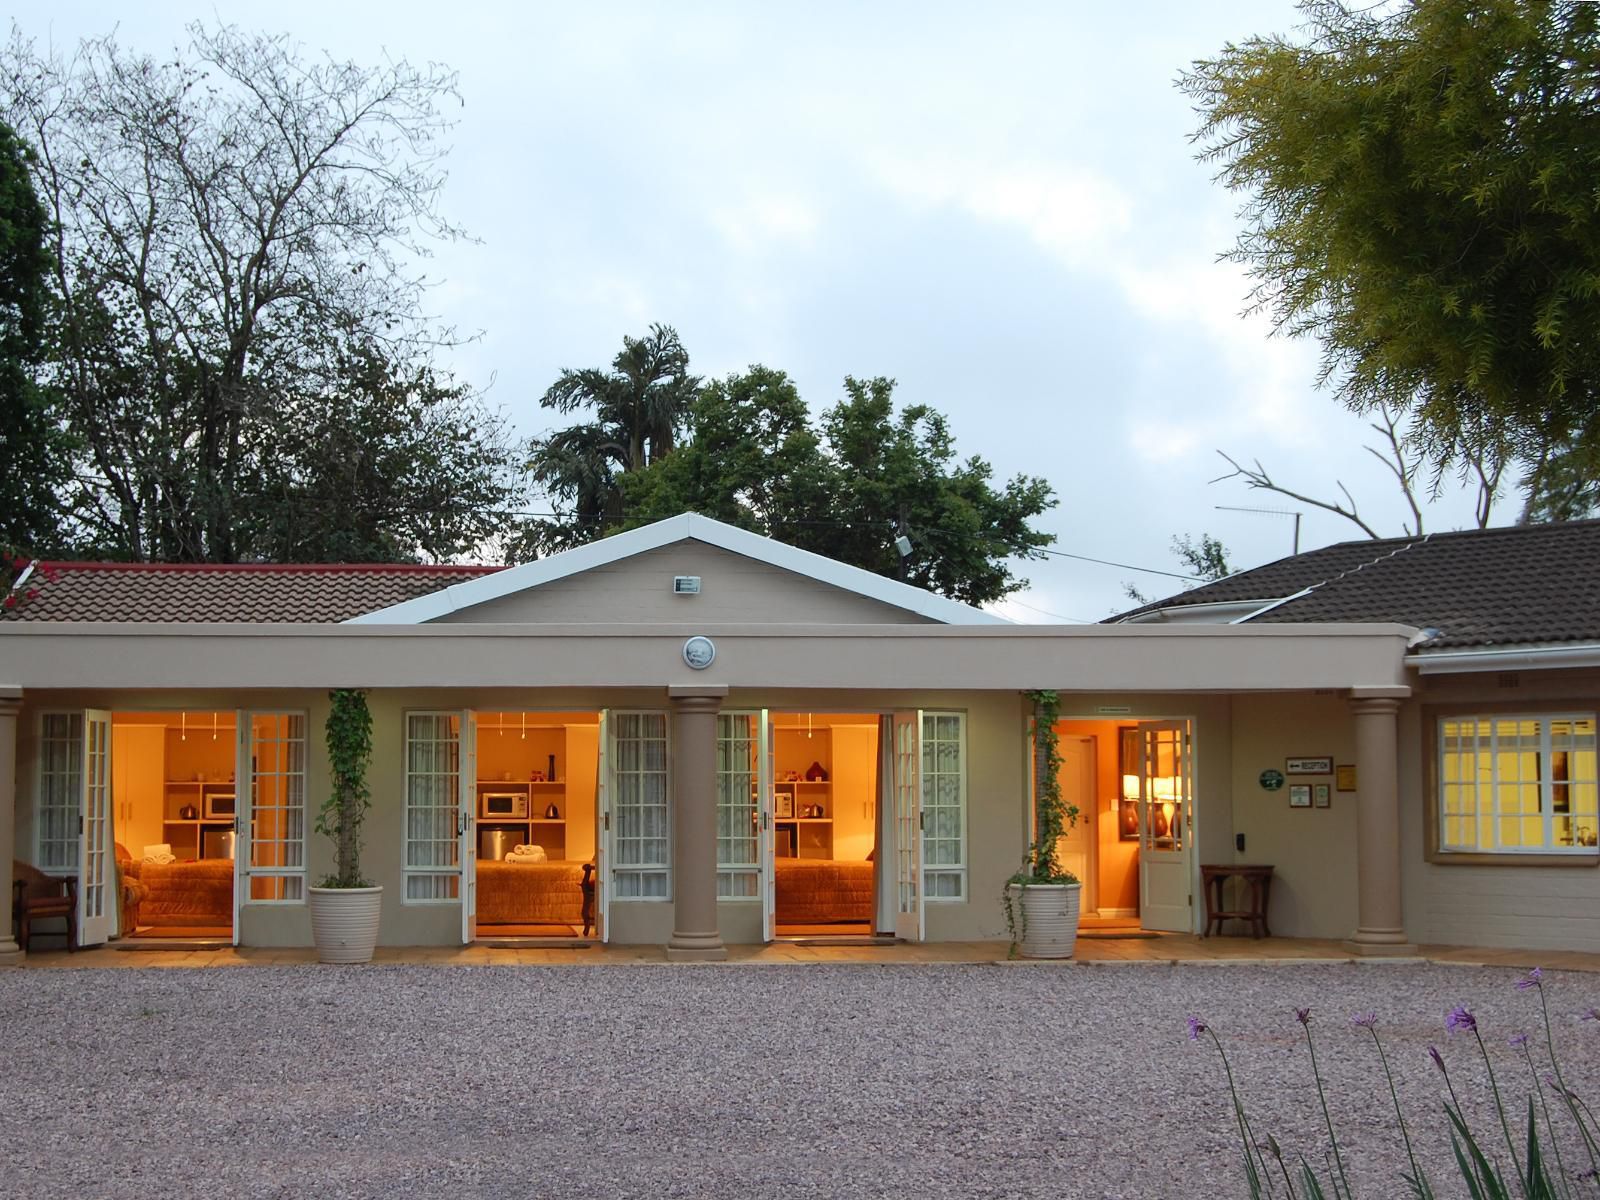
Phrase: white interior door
x=97 y=880
x=1166 y=836
x=1075 y=847
x=769 y=871
x=244 y=803
x=466 y=826
x=907 y=788
x=603 y=792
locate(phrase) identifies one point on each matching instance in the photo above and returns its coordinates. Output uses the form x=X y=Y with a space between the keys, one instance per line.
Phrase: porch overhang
x=1088 y=658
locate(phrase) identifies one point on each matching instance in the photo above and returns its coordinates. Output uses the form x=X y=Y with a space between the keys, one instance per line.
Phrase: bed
x=544 y=893
x=820 y=891
x=184 y=894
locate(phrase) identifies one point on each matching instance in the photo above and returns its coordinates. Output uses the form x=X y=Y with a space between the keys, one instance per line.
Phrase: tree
x=638 y=407
x=1419 y=196
x=227 y=223
x=1205 y=560
x=849 y=489
x=34 y=462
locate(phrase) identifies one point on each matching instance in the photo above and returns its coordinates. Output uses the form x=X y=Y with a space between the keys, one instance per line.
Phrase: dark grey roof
x=1521 y=585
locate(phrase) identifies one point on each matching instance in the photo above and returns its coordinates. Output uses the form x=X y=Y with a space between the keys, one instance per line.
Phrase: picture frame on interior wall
x=1321 y=796
x=1299 y=795
x=1309 y=764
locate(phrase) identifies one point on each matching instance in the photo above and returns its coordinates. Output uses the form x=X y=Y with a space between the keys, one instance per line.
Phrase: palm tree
x=639 y=406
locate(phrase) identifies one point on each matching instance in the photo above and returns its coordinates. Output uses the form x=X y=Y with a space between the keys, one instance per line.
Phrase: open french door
x=97 y=880
x=765 y=847
x=906 y=785
x=1166 y=835
x=244 y=797
x=466 y=826
x=602 y=841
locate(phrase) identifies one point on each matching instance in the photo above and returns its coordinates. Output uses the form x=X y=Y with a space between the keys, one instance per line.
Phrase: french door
x=466 y=826
x=906 y=794
x=1166 y=835
x=97 y=880
x=602 y=841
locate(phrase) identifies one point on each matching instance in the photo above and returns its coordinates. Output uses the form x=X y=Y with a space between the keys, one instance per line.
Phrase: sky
x=998 y=206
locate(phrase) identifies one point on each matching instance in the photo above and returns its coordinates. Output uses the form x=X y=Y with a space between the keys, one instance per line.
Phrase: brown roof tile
x=243 y=592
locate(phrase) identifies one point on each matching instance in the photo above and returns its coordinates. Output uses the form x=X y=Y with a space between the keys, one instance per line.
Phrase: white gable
x=688 y=527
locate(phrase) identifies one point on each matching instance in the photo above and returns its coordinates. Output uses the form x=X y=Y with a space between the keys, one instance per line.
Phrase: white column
x=10 y=706
x=1380 y=928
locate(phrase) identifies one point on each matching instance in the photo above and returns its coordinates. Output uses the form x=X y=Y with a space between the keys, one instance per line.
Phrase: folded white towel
x=160 y=860
x=535 y=849
x=527 y=854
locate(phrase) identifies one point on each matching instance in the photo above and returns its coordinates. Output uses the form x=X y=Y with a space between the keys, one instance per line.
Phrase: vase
x=1046 y=917
x=344 y=923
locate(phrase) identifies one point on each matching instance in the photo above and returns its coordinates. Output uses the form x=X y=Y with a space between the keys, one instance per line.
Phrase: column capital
x=1386 y=692
x=10 y=697
x=697 y=695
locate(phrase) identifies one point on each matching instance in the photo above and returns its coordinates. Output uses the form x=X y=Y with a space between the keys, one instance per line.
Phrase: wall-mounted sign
x=1299 y=795
x=1344 y=777
x=1309 y=764
x=1320 y=797
x=699 y=652
x=1271 y=780
x=1113 y=710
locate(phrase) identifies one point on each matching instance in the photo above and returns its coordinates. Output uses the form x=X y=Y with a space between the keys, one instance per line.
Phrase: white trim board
x=681 y=528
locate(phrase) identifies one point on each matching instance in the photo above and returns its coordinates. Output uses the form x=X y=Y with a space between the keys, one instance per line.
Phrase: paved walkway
x=1166 y=948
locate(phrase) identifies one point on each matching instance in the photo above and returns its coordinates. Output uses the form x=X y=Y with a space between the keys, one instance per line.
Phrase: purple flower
x=1303 y=1015
x=1364 y=1020
x=1517 y=1040
x=1438 y=1059
x=1532 y=980
x=1461 y=1021
x=1196 y=1028
x=1592 y=1015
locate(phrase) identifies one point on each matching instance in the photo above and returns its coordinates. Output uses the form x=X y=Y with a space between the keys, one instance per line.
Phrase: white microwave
x=512 y=805
x=218 y=805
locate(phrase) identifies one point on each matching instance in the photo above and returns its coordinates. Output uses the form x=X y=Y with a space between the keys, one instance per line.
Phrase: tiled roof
x=243 y=592
x=1521 y=585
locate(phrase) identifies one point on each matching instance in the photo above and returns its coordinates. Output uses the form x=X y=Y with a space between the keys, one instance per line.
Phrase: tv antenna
x=1269 y=512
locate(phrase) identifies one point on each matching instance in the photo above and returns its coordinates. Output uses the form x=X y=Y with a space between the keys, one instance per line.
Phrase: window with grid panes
x=433 y=781
x=1518 y=784
x=944 y=806
x=278 y=806
x=60 y=790
x=641 y=840
x=738 y=750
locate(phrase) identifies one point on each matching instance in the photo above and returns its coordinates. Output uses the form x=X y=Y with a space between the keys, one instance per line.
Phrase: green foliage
x=638 y=410
x=349 y=739
x=34 y=460
x=236 y=305
x=848 y=485
x=1051 y=817
x=1419 y=184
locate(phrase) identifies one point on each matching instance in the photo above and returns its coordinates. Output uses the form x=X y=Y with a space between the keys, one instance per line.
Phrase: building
x=744 y=740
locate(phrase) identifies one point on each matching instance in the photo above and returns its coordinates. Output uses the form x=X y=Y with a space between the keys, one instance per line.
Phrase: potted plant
x=345 y=906
x=1042 y=900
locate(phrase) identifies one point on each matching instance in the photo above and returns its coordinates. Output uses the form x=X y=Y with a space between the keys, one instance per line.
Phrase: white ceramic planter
x=1046 y=917
x=344 y=923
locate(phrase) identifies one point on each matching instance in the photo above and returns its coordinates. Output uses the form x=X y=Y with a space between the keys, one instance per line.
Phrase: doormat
x=532 y=943
x=839 y=941
x=173 y=943
x=1113 y=935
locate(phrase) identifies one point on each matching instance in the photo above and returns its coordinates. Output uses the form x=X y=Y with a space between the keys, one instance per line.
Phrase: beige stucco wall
x=1504 y=904
x=733 y=588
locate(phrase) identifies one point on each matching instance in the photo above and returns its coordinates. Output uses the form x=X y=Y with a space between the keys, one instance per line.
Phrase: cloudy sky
x=996 y=205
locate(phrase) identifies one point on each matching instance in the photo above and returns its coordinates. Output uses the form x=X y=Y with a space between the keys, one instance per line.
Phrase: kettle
x=188 y=813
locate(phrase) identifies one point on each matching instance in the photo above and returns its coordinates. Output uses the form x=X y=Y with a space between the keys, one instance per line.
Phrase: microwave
x=513 y=805
x=219 y=805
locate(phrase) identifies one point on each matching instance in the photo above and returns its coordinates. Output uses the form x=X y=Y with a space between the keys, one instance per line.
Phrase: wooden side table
x=1258 y=879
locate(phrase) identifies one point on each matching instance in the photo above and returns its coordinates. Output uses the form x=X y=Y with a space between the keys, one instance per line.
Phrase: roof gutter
x=1512 y=658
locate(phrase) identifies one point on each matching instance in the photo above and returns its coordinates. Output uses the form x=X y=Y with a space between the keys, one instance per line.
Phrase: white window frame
x=244 y=719
x=453 y=808
x=618 y=868
x=73 y=809
x=1490 y=785
x=957 y=870
x=751 y=868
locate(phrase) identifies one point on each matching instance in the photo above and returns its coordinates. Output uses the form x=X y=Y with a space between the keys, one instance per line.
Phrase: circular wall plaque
x=699 y=652
x=1271 y=780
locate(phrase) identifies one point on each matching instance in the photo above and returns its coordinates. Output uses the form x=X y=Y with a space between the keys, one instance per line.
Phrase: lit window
x=1518 y=785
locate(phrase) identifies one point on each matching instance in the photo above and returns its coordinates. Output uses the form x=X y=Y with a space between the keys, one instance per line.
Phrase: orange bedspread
x=819 y=891
x=185 y=893
x=544 y=893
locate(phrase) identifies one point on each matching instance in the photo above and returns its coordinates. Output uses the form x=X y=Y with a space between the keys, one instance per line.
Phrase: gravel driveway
x=836 y=1080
